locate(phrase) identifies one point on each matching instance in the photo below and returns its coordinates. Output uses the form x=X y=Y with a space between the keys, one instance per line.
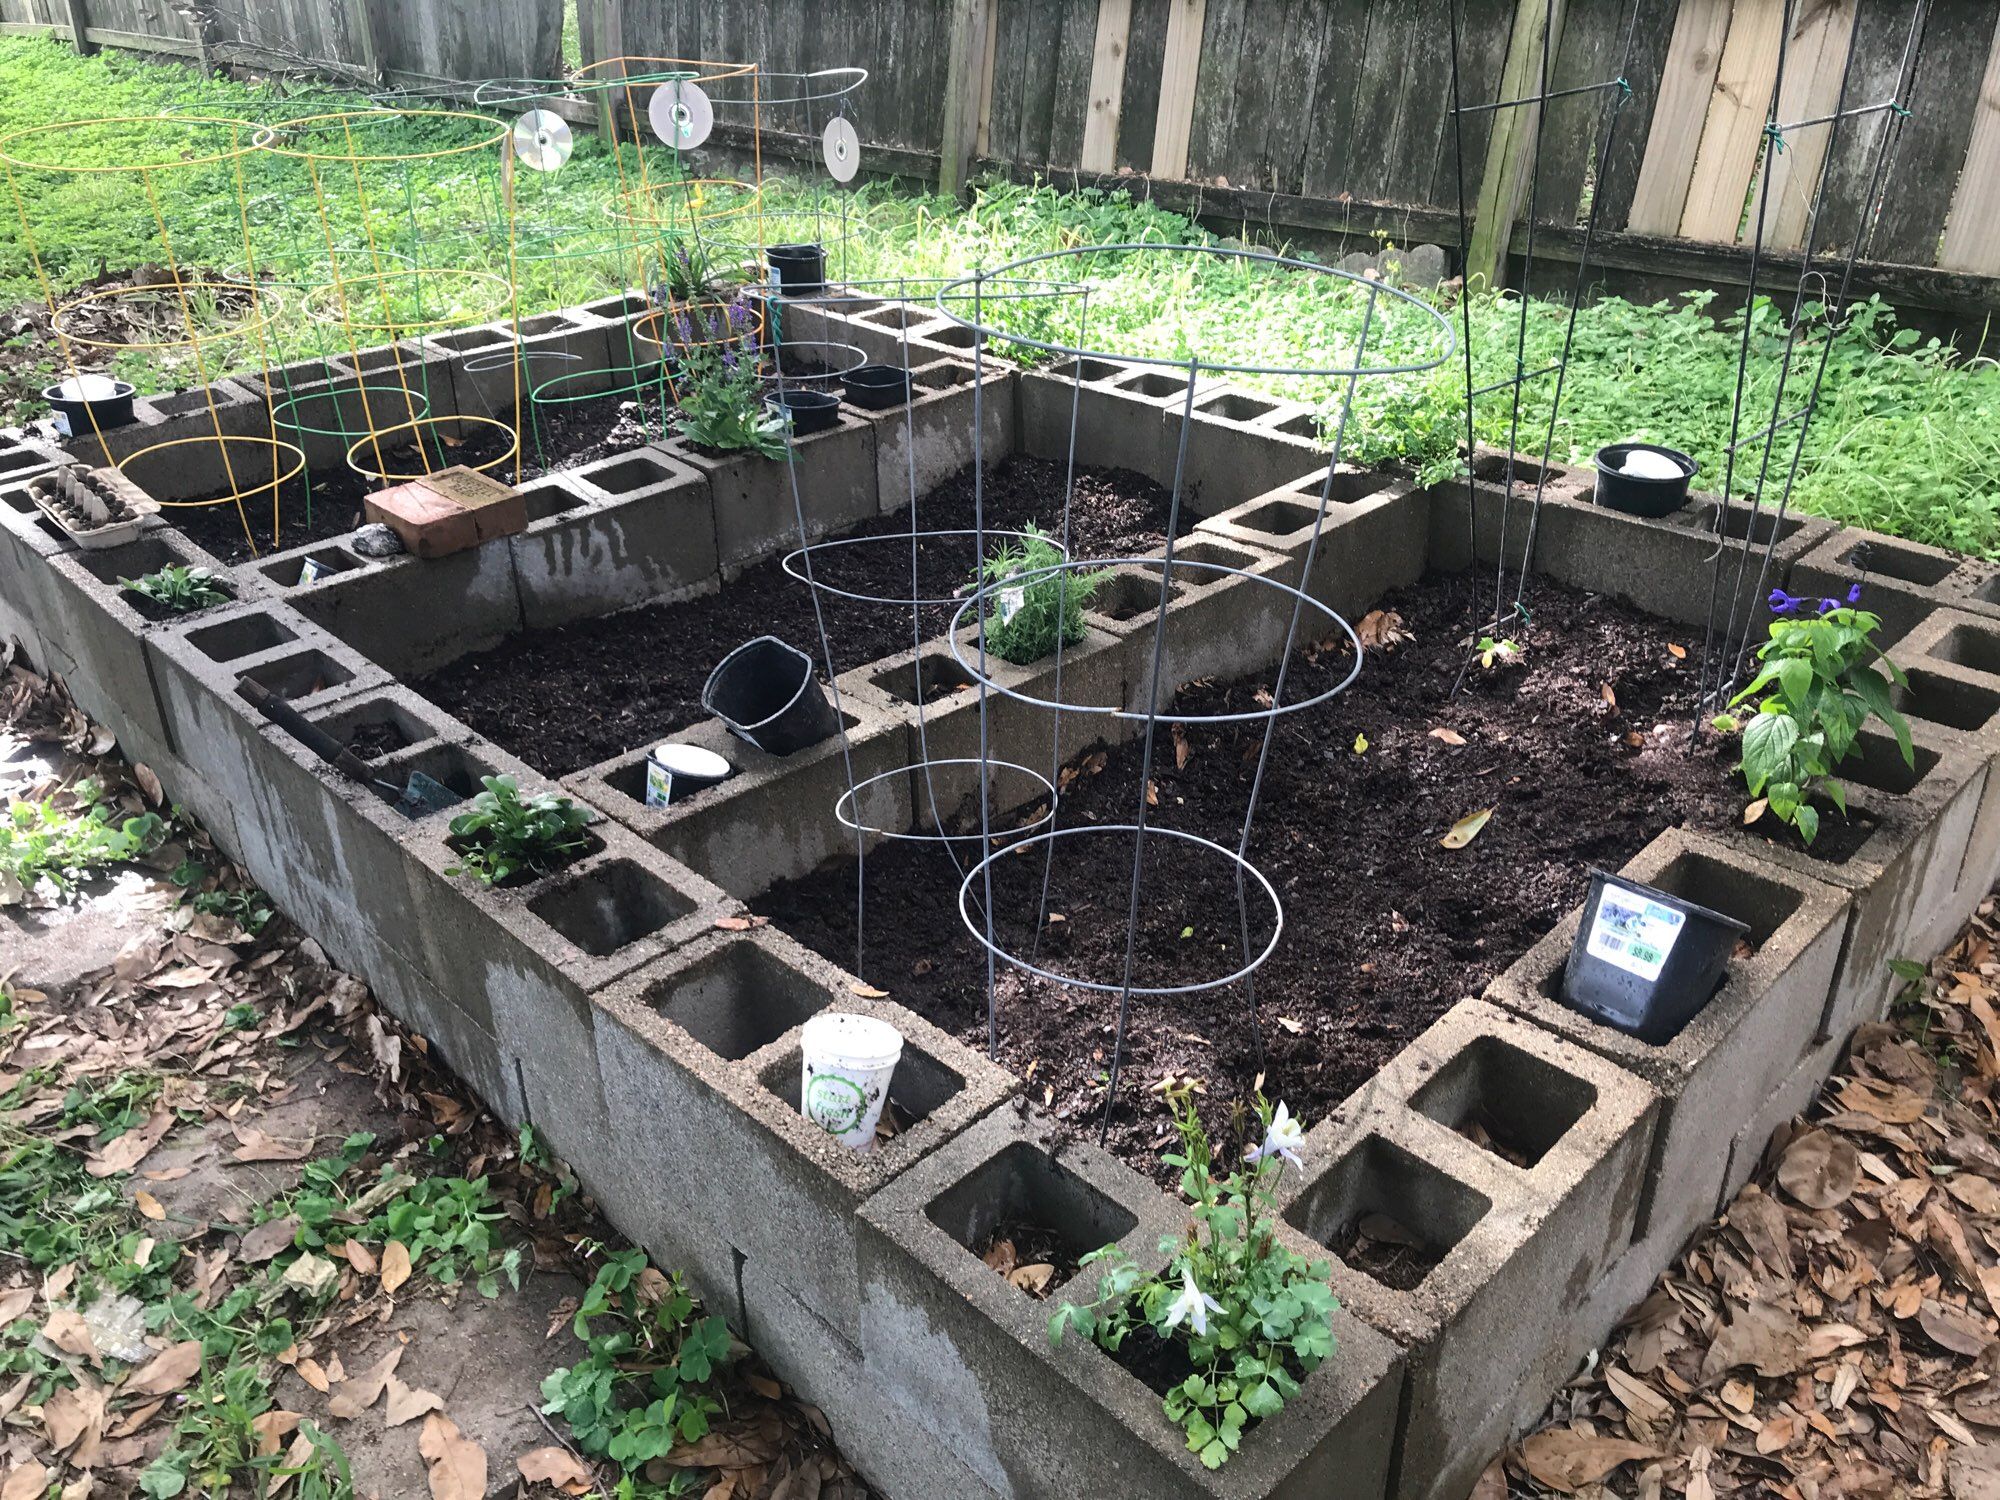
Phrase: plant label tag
x=1633 y=932
x=312 y=570
x=1011 y=601
x=60 y=421
x=659 y=784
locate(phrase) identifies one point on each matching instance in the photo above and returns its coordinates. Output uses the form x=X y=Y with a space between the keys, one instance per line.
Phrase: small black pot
x=99 y=413
x=877 y=387
x=801 y=269
x=765 y=692
x=1641 y=497
x=1645 y=962
x=810 y=411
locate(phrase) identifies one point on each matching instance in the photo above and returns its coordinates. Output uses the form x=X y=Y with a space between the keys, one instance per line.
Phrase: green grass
x=1904 y=439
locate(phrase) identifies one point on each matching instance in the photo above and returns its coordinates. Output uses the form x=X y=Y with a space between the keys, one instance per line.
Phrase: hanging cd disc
x=681 y=114
x=841 y=147
x=542 y=140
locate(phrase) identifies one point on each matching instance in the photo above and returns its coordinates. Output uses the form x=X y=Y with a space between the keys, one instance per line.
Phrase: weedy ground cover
x=1903 y=440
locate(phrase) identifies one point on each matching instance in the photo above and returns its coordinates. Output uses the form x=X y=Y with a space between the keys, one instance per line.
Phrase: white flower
x=1192 y=1306
x=1282 y=1138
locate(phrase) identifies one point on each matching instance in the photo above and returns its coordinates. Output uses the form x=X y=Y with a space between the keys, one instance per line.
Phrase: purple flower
x=1783 y=603
x=1854 y=596
x=1827 y=606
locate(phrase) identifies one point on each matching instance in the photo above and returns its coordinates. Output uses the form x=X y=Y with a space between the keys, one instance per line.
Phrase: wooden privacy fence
x=1324 y=116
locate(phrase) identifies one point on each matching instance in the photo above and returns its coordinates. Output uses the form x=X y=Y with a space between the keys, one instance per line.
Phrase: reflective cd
x=542 y=140
x=842 y=148
x=681 y=114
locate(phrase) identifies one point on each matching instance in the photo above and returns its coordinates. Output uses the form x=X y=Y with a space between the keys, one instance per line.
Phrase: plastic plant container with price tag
x=1644 y=961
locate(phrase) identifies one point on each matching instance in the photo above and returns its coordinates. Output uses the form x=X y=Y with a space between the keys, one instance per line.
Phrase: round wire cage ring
x=816 y=351
x=686 y=200
x=820 y=87
x=845 y=807
x=1131 y=832
x=286 y=413
x=380 y=440
x=264 y=308
x=482 y=132
x=639 y=380
x=85 y=157
x=700 y=325
x=377 y=288
x=973 y=289
x=799 y=562
x=278 y=448
x=963 y=639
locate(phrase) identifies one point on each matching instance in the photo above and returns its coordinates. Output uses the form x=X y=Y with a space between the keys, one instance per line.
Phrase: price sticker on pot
x=1634 y=932
x=1011 y=601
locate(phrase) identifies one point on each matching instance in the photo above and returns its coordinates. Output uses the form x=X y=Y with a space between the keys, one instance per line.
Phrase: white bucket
x=848 y=1063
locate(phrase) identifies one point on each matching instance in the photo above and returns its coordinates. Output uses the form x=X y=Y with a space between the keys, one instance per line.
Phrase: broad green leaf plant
x=1252 y=1316
x=505 y=835
x=1816 y=686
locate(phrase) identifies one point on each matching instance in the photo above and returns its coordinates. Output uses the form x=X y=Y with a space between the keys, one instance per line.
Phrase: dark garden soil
x=1032 y=1256
x=561 y=435
x=1582 y=750
x=572 y=696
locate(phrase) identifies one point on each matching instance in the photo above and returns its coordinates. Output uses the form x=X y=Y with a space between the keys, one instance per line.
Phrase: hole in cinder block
x=300 y=674
x=1277 y=517
x=289 y=572
x=1232 y=407
x=1155 y=383
x=18 y=499
x=17 y=459
x=544 y=324
x=1388 y=1213
x=1511 y=1102
x=390 y=358
x=625 y=476
x=1974 y=646
x=951 y=335
x=614 y=308
x=1738 y=524
x=1879 y=764
x=920 y=1086
x=611 y=907
x=1493 y=466
x=1725 y=886
x=1938 y=699
x=1305 y=425
x=452 y=766
x=375 y=727
x=1024 y=1186
x=1093 y=369
x=305 y=373
x=1204 y=551
x=136 y=559
x=548 y=498
x=465 y=339
x=181 y=403
x=896 y=315
x=737 y=999
x=1892 y=560
x=941 y=676
x=1125 y=596
x=245 y=635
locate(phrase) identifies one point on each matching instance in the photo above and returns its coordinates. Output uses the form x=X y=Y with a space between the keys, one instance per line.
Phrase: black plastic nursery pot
x=84 y=405
x=877 y=387
x=679 y=771
x=1645 y=962
x=809 y=411
x=765 y=692
x=800 y=269
x=1635 y=494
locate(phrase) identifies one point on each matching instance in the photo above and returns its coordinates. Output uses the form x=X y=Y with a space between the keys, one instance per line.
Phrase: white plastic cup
x=849 y=1060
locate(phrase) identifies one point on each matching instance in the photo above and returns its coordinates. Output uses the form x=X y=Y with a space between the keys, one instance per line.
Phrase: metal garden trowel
x=421 y=794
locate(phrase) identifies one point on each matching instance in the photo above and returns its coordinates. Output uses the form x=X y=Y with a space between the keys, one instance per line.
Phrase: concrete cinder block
x=1732 y=1056
x=701 y=1061
x=1113 y=409
x=920 y=445
x=1561 y=1207
x=1376 y=539
x=1669 y=566
x=529 y=956
x=774 y=819
x=1952 y=661
x=1241 y=445
x=757 y=509
x=496 y=368
x=968 y=1355
x=640 y=530
x=411 y=615
x=1901 y=582
x=1905 y=881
